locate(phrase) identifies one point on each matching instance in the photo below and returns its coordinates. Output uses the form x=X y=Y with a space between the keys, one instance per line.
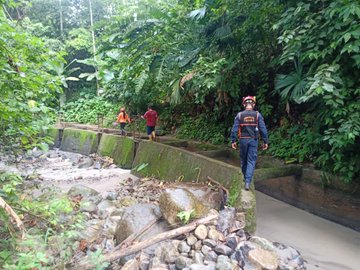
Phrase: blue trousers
x=248 y=157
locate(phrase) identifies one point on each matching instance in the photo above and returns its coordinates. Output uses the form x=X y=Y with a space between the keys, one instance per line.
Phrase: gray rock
x=182 y=262
x=211 y=256
x=167 y=251
x=175 y=200
x=289 y=258
x=155 y=263
x=109 y=227
x=213 y=234
x=82 y=190
x=226 y=219
x=198 y=258
x=97 y=165
x=263 y=259
x=112 y=196
x=144 y=261
x=263 y=243
x=211 y=199
x=242 y=235
x=201 y=232
x=202 y=267
x=88 y=206
x=105 y=208
x=183 y=247
x=135 y=218
x=224 y=263
x=109 y=245
x=92 y=230
x=191 y=240
x=172 y=267
x=198 y=245
x=85 y=162
x=232 y=242
x=209 y=242
x=223 y=249
x=205 y=249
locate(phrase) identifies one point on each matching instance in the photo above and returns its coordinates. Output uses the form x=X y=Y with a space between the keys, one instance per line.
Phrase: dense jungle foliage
x=193 y=60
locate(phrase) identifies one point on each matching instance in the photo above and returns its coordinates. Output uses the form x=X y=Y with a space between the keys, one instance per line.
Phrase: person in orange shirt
x=123 y=118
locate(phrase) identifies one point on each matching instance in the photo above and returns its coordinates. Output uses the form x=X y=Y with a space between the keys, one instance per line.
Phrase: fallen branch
x=128 y=241
x=117 y=254
x=14 y=218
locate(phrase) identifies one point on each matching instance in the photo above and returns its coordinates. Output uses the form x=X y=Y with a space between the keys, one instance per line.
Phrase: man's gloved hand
x=234 y=145
x=265 y=146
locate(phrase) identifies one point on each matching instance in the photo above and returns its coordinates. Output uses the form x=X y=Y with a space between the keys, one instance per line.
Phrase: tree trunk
x=94 y=47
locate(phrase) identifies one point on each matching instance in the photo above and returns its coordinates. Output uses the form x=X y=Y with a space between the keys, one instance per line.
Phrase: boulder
x=135 y=218
x=263 y=259
x=210 y=198
x=191 y=240
x=85 y=162
x=167 y=251
x=82 y=190
x=92 y=230
x=289 y=258
x=181 y=262
x=175 y=200
x=263 y=243
x=224 y=263
x=201 y=232
x=105 y=208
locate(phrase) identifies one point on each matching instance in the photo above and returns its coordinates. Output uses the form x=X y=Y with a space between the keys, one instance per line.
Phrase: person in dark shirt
x=246 y=128
x=151 y=117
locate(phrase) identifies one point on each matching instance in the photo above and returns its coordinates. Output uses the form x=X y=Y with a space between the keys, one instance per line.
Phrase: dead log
x=128 y=241
x=14 y=218
x=117 y=254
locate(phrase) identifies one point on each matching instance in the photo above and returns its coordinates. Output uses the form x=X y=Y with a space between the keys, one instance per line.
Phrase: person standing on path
x=123 y=118
x=247 y=125
x=151 y=117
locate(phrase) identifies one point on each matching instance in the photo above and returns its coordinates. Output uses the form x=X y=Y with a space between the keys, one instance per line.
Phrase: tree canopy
x=195 y=60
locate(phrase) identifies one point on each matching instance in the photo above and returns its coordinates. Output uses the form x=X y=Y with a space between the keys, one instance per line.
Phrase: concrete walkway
x=324 y=245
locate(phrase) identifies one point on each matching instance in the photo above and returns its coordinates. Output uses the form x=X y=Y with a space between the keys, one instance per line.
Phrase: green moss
x=234 y=192
x=250 y=220
x=267 y=173
x=121 y=149
x=79 y=141
x=53 y=133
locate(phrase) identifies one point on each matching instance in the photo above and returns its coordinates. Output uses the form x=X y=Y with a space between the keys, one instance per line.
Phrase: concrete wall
x=54 y=134
x=121 y=149
x=79 y=141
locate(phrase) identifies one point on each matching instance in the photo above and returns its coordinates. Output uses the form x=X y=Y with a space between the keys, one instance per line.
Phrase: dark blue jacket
x=261 y=127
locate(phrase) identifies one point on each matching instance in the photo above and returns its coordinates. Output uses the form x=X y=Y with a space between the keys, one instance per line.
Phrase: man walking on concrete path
x=246 y=128
x=151 y=117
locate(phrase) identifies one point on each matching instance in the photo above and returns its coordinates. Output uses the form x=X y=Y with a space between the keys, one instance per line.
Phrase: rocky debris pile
x=223 y=245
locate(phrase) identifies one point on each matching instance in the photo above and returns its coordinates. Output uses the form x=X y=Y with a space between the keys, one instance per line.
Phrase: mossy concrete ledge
x=119 y=148
x=169 y=163
x=54 y=134
x=79 y=141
